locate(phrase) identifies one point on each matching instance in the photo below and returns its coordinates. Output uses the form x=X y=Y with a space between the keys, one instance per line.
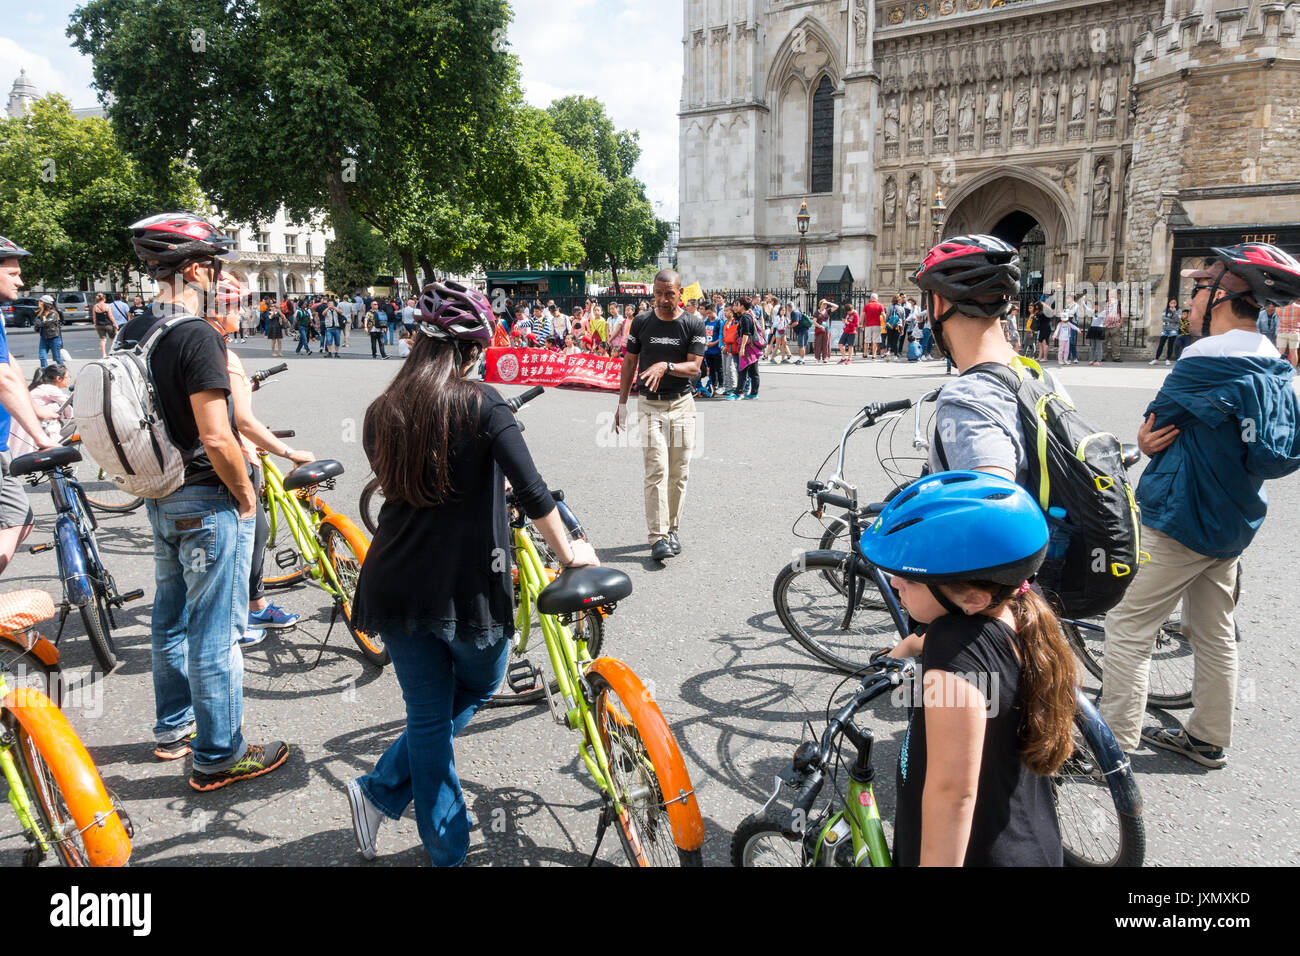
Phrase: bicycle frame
x=302 y=523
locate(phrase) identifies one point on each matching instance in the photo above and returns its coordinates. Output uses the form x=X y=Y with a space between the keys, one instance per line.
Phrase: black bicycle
x=839 y=606
x=87 y=584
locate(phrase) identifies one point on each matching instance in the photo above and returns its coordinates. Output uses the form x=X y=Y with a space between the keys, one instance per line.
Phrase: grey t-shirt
x=977 y=420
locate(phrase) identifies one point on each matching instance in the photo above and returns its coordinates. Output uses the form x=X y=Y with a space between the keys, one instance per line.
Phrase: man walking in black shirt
x=665 y=348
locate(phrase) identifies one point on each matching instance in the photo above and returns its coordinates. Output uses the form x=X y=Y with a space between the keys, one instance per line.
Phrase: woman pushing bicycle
x=441 y=447
x=991 y=715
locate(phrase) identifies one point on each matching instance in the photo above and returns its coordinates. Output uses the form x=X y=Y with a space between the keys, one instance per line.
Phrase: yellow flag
x=692 y=291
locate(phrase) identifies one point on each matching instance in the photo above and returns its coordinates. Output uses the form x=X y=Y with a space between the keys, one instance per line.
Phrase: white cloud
x=626 y=54
x=72 y=77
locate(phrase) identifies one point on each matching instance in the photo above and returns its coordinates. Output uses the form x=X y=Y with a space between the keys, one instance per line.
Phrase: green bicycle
x=624 y=740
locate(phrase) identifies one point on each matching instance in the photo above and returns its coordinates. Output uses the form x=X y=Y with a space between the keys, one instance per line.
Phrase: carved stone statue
x=916 y=117
x=913 y=201
x=860 y=21
x=891 y=201
x=993 y=106
x=891 y=120
x=966 y=113
x=1101 y=190
x=1078 y=94
x=941 y=113
x=1109 y=93
x=1021 y=112
x=1051 y=89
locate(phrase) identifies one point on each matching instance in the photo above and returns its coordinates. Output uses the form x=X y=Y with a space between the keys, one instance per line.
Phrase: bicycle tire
x=346 y=562
x=21 y=666
x=593 y=626
x=64 y=786
x=811 y=605
x=1170 y=673
x=372 y=500
x=632 y=729
x=760 y=840
x=291 y=576
x=94 y=616
x=1095 y=831
x=100 y=491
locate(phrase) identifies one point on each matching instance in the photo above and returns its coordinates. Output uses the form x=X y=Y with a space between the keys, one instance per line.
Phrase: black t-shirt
x=653 y=340
x=191 y=358
x=1015 y=817
x=428 y=566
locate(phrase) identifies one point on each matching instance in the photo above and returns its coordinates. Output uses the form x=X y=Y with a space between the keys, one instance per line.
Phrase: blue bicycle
x=87 y=584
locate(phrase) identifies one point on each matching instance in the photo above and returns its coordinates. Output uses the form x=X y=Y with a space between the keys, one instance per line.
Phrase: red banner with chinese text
x=511 y=366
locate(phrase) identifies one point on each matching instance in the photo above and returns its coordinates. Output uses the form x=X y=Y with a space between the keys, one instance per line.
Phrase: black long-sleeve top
x=430 y=566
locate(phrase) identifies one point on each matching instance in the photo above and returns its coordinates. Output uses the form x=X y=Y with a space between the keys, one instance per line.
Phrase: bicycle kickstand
x=64 y=610
x=334 y=616
x=601 y=827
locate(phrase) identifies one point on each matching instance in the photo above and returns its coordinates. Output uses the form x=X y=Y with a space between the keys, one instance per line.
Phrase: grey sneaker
x=366 y=820
x=674 y=543
x=1179 y=741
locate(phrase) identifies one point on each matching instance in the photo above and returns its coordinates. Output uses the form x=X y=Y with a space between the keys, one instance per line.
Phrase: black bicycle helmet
x=11 y=250
x=978 y=275
x=170 y=241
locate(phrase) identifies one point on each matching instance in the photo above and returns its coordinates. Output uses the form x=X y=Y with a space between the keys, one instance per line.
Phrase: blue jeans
x=444 y=680
x=392 y=329
x=52 y=348
x=331 y=337
x=202 y=560
x=927 y=341
x=302 y=342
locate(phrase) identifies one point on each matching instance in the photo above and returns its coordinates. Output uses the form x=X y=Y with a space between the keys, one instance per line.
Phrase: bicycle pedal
x=286 y=559
x=131 y=596
x=38 y=548
x=521 y=676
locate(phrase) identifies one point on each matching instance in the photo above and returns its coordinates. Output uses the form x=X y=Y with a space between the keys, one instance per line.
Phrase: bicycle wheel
x=102 y=493
x=631 y=726
x=22 y=668
x=1094 y=830
x=372 y=500
x=345 y=561
x=67 y=793
x=590 y=626
x=810 y=599
x=760 y=841
x=1170 y=681
x=295 y=569
x=94 y=615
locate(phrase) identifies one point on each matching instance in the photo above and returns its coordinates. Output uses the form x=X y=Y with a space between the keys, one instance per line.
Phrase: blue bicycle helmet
x=959 y=526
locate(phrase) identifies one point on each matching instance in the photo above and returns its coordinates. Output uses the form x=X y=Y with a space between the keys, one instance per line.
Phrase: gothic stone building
x=1110 y=141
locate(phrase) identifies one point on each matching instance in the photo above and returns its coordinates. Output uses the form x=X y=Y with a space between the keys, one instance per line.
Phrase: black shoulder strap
x=1004 y=374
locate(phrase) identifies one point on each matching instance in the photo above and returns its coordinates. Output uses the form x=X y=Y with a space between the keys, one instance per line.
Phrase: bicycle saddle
x=20 y=610
x=312 y=473
x=43 y=460
x=580 y=588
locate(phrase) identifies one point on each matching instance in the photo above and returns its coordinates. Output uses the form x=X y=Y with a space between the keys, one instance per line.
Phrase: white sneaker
x=1168 y=363
x=366 y=819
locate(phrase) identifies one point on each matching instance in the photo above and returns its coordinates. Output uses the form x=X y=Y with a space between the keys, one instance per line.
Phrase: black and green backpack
x=1075 y=467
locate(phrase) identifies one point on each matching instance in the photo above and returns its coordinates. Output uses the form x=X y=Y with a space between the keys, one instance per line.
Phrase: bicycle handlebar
x=884 y=408
x=519 y=401
x=258 y=378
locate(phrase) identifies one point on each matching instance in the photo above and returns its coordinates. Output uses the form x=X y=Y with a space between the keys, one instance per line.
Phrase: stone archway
x=1012 y=205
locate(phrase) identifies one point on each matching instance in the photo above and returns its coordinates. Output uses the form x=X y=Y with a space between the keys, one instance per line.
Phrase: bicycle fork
x=18 y=798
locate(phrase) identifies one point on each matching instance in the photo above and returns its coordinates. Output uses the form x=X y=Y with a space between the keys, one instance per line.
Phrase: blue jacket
x=1267 y=324
x=1239 y=422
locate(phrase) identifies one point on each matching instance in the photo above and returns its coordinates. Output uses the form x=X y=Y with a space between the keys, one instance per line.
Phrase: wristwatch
x=670 y=369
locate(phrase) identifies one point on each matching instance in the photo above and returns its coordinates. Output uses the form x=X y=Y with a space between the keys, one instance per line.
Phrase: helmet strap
x=945 y=601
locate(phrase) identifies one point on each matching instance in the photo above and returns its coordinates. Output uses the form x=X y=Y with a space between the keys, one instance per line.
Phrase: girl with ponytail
x=992 y=711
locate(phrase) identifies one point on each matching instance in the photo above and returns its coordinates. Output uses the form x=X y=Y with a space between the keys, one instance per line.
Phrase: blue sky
x=626 y=53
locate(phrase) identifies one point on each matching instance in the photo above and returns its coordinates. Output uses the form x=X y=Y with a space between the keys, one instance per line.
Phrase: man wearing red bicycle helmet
x=1225 y=420
x=199 y=613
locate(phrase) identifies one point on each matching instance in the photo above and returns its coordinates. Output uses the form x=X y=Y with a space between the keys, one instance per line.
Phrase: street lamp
x=279 y=265
x=311 y=268
x=802 y=273
x=938 y=213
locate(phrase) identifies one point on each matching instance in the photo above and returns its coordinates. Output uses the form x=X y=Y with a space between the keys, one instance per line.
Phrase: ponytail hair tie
x=1024 y=587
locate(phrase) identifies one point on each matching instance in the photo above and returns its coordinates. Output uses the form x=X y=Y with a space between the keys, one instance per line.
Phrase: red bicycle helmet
x=450 y=310
x=1273 y=275
x=170 y=241
x=978 y=275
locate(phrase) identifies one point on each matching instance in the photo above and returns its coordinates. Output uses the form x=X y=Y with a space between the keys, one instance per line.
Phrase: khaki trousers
x=667 y=431
x=1114 y=339
x=1205 y=586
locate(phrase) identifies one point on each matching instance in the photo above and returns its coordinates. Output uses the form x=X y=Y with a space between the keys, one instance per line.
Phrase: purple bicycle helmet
x=449 y=309
x=11 y=250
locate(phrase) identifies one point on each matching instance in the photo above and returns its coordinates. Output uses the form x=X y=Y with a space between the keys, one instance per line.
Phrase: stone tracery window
x=822 y=171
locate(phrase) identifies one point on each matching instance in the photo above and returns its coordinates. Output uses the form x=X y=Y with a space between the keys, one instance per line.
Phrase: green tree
x=620 y=229
x=68 y=191
x=354 y=257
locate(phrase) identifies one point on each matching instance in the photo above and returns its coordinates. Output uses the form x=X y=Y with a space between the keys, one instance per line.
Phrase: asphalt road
x=700 y=630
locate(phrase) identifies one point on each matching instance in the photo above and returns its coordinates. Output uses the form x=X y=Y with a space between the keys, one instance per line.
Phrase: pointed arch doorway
x=1026 y=233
